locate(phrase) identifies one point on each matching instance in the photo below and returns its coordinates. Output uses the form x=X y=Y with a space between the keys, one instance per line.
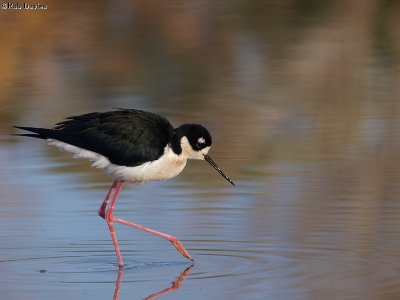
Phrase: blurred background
x=302 y=100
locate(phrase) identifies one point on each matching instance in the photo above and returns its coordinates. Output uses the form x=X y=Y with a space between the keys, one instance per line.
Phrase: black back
x=127 y=137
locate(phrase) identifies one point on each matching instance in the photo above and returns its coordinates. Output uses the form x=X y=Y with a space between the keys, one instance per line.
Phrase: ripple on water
x=283 y=270
x=238 y=268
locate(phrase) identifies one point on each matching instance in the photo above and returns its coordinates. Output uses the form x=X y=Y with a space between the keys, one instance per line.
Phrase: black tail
x=54 y=134
x=40 y=133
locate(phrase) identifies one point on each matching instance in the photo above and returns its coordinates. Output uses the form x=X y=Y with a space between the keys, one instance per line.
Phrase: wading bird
x=131 y=146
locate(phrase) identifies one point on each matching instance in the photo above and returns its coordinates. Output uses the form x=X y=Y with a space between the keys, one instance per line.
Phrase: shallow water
x=301 y=99
x=279 y=237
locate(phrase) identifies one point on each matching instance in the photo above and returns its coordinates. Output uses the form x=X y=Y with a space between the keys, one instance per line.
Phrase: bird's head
x=195 y=142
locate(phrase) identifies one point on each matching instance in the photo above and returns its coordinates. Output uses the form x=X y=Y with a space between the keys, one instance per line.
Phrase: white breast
x=167 y=166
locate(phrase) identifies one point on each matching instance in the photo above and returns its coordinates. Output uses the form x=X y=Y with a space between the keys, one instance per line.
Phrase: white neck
x=189 y=153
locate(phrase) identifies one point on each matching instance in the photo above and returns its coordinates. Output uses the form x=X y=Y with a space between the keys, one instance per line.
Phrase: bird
x=132 y=146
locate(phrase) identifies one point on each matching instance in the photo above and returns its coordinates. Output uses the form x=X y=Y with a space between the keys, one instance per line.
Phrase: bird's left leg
x=178 y=245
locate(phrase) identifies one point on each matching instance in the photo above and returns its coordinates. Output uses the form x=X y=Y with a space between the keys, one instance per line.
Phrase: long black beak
x=211 y=162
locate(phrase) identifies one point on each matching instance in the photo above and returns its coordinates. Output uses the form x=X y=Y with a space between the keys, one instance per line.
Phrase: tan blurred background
x=303 y=79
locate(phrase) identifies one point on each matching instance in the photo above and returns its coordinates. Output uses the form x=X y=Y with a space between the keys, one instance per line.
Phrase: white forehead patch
x=201 y=140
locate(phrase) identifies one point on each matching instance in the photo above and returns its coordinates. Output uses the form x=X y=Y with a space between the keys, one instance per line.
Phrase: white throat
x=189 y=153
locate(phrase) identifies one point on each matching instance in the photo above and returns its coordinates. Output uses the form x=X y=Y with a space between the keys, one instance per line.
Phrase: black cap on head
x=197 y=135
x=199 y=138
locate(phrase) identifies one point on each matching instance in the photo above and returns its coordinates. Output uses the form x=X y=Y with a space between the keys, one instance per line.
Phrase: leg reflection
x=117 y=285
x=175 y=285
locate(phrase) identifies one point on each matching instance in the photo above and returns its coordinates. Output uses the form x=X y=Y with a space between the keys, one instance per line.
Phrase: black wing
x=126 y=137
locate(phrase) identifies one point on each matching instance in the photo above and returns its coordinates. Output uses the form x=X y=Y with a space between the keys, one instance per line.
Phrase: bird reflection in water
x=175 y=284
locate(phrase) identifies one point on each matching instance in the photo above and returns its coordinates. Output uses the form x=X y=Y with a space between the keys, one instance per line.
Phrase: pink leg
x=102 y=209
x=178 y=245
x=109 y=219
x=108 y=215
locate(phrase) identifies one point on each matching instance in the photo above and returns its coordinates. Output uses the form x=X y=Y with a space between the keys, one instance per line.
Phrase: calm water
x=302 y=100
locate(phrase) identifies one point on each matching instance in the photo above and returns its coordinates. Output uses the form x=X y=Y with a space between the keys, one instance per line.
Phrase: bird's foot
x=179 y=246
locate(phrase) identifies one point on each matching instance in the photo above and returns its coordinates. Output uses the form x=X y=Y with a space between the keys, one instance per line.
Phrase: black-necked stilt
x=131 y=146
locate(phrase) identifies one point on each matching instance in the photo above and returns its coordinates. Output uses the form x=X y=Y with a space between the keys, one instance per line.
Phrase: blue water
x=244 y=241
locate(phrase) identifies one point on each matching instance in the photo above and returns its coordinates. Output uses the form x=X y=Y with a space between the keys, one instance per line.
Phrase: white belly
x=167 y=166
